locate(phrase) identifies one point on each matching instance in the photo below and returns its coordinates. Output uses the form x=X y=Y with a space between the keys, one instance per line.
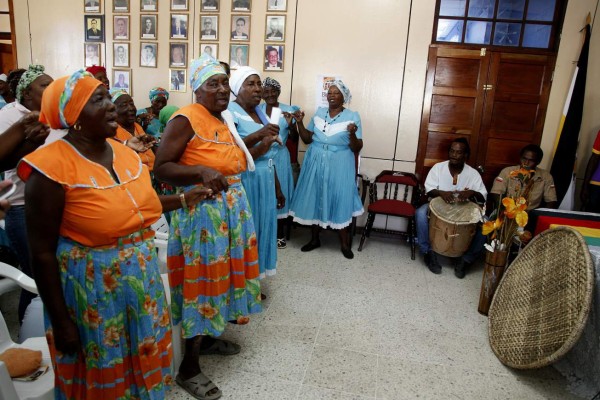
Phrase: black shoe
x=460 y=269
x=348 y=253
x=432 y=262
x=310 y=246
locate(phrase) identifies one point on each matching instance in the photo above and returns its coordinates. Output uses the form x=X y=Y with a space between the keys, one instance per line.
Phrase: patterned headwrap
x=64 y=99
x=239 y=76
x=344 y=89
x=270 y=82
x=94 y=69
x=115 y=93
x=203 y=68
x=158 y=92
x=32 y=73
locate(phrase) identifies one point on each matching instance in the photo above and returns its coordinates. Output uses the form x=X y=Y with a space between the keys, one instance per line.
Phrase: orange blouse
x=147 y=156
x=97 y=210
x=212 y=145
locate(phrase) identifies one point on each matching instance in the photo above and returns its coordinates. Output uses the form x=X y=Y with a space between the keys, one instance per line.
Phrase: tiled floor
x=380 y=326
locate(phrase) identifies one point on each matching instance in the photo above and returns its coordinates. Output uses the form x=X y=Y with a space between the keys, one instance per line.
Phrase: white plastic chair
x=161 y=240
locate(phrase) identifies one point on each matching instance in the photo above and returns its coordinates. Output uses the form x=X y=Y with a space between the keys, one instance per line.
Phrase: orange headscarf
x=64 y=99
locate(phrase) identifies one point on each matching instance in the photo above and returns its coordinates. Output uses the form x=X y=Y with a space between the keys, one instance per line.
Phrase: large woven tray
x=542 y=303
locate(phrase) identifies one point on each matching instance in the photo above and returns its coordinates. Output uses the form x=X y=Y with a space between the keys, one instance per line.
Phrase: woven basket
x=542 y=303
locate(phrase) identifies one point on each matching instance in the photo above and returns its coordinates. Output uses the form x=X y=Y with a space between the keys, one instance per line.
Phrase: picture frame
x=209 y=27
x=209 y=5
x=179 y=26
x=91 y=6
x=91 y=54
x=212 y=49
x=276 y=5
x=148 y=54
x=180 y=5
x=121 y=79
x=275 y=28
x=273 y=57
x=238 y=55
x=177 y=80
x=178 y=58
x=149 y=5
x=240 y=27
x=148 y=26
x=241 y=5
x=93 y=28
x=120 y=6
x=121 y=27
x=121 y=54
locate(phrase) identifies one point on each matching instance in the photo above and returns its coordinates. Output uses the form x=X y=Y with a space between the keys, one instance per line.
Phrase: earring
x=77 y=126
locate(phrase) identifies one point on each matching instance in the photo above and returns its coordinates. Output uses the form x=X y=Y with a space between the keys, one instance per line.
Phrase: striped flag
x=565 y=148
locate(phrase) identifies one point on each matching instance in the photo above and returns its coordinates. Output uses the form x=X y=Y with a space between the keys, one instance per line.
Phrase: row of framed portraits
x=178 y=55
x=240 y=27
x=122 y=79
x=123 y=6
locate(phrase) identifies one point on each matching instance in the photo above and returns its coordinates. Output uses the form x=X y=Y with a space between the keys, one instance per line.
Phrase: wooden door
x=8 y=49
x=515 y=109
x=453 y=103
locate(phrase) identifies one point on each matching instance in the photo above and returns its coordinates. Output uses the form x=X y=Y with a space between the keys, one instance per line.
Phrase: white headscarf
x=239 y=76
x=343 y=89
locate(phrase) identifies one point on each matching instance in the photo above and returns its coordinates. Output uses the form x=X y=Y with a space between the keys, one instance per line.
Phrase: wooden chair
x=383 y=200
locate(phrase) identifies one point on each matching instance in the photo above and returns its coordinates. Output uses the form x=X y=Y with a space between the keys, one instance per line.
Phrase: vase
x=495 y=262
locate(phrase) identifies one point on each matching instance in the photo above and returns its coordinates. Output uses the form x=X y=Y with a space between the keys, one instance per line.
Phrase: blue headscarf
x=115 y=93
x=344 y=89
x=203 y=68
x=158 y=92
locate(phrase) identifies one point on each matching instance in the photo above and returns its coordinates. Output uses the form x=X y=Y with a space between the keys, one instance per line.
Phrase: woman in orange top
x=129 y=129
x=89 y=207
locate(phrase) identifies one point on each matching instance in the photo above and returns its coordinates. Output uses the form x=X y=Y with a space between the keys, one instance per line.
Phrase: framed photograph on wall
x=177 y=54
x=209 y=5
x=179 y=5
x=148 y=54
x=149 y=5
x=209 y=25
x=121 y=27
x=241 y=5
x=276 y=5
x=275 y=28
x=92 y=54
x=121 y=79
x=121 y=55
x=238 y=55
x=212 y=49
x=273 y=57
x=148 y=26
x=120 y=6
x=94 y=28
x=240 y=27
x=177 y=81
x=91 y=6
x=179 y=25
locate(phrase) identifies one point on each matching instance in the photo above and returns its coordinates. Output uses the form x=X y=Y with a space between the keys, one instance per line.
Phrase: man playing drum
x=453 y=181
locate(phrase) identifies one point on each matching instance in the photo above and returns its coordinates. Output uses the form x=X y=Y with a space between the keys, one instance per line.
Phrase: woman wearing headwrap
x=212 y=255
x=262 y=185
x=283 y=165
x=99 y=73
x=28 y=86
x=326 y=194
x=89 y=210
x=128 y=129
x=149 y=117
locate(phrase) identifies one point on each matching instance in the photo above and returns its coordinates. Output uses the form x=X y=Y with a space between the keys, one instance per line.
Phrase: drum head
x=460 y=213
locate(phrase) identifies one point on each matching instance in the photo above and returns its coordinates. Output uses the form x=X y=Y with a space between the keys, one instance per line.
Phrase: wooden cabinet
x=496 y=100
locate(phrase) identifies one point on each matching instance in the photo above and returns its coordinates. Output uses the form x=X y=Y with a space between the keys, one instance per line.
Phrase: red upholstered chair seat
x=395 y=208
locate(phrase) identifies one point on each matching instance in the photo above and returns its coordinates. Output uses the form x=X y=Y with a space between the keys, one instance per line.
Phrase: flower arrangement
x=510 y=217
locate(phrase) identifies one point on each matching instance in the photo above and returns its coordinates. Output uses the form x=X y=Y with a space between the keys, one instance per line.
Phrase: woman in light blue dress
x=326 y=195
x=261 y=185
x=283 y=165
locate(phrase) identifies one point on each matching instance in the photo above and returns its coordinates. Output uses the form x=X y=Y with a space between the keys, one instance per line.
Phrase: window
x=507 y=23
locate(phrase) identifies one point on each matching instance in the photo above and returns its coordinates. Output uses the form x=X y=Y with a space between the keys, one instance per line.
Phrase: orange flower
x=168 y=380
x=243 y=320
x=111 y=336
x=223 y=228
x=148 y=348
x=126 y=253
x=520 y=173
x=110 y=280
x=252 y=242
x=207 y=310
x=77 y=252
x=491 y=226
x=516 y=209
x=91 y=317
x=89 y=271
x=230 y=200
x=150 y=306
x=164 y=319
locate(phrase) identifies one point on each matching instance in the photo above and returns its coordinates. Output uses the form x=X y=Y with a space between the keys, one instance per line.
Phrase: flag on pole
x=565 y=148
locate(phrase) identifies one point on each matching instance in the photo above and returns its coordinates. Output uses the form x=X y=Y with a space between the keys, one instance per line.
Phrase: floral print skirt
x=213 y=263
x=116 y=297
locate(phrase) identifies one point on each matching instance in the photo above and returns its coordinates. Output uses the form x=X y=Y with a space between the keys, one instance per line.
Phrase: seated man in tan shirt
x=543 y=184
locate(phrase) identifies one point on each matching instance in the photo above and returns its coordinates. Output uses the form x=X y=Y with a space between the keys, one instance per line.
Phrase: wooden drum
x=452 y=226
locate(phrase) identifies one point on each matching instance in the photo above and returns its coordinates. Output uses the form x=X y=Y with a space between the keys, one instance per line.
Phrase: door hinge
x=482 y=53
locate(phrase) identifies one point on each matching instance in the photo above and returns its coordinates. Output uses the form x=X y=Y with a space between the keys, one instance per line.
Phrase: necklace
x=332 y=120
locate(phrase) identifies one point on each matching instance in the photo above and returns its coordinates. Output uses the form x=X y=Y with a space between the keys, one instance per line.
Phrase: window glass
x=452 y=8
x=478 y=32
x=510 y=9
x=537 y=36
x=507 y=34
x=481 y=8
x=449 y=30
x=541 y=10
